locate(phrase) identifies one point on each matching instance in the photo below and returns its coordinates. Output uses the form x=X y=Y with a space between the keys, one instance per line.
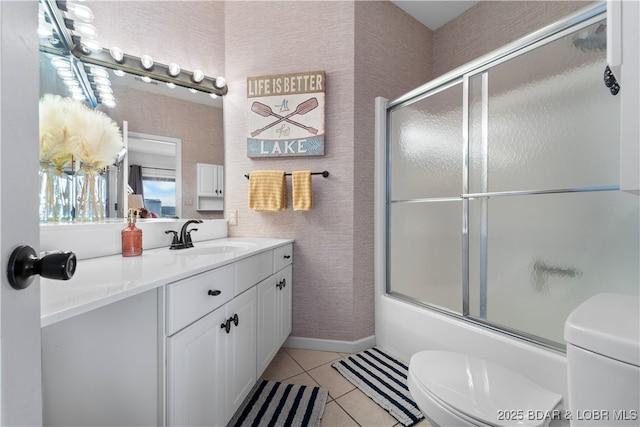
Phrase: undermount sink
x=213 y=248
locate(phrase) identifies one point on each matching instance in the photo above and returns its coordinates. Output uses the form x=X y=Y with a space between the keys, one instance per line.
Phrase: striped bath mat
x=384 y=380
x=273 y=403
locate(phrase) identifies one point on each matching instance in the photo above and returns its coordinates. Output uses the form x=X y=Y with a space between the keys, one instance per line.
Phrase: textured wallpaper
x=360 y=46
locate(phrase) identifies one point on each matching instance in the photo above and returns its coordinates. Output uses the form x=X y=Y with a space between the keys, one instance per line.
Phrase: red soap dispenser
x=131 y=237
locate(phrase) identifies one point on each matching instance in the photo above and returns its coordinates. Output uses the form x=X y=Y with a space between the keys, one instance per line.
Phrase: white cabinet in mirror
x=210 y=187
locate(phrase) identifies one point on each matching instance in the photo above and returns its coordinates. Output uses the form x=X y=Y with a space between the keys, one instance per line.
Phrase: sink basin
x=217 y=249
x=212 y=248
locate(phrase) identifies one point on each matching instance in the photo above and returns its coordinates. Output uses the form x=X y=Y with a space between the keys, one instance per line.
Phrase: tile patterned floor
x=346 y=405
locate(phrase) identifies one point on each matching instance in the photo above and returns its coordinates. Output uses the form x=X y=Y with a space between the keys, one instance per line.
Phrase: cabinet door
x=268 y=321
x=274 y=315
x=219 y=184
x=241 y=350
x=285 y=304
x=196 y=373
x=207 y=180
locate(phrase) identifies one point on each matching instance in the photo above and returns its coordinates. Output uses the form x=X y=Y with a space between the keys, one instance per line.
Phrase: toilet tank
x=603 y=361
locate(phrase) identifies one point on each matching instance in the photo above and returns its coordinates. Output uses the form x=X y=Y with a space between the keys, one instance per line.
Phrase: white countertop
x=101 y=281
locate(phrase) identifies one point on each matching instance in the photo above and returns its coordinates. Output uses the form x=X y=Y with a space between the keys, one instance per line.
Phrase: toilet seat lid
x=482 y=390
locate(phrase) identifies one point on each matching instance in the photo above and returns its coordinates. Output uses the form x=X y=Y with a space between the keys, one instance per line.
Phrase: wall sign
x=286 y=115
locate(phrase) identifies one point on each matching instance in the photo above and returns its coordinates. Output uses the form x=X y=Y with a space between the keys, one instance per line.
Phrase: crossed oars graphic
x=302 y=108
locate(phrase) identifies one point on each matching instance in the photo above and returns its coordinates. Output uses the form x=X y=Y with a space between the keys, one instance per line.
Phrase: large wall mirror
x=159 y=120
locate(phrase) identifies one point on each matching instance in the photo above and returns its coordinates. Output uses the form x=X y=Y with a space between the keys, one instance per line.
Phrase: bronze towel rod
x=323 y=173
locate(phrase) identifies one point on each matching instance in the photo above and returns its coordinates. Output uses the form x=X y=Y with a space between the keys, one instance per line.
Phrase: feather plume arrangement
x=92 y=136
x=53 y=142
x=69 y=128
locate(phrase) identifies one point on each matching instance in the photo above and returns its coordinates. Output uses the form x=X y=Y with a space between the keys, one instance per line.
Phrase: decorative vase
x=55 y=185
x=91 y=193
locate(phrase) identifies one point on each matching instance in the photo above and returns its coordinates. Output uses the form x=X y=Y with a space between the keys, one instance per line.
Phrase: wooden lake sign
x=286 y=115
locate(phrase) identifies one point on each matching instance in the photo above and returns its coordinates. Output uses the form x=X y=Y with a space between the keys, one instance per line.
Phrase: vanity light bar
x=160 y=72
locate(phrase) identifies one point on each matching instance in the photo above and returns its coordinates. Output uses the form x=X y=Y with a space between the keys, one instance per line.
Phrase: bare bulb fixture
x=220 y=82
x=198 y=76
x=147 y=62
x=174 y=69
x=80 y=11
x=84 y=29
x=117 y=54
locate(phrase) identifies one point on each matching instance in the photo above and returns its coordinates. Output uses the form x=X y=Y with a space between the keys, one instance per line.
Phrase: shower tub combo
x=498 y=208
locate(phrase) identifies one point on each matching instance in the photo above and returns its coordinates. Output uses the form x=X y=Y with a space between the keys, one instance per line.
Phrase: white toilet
x=603 y=358
x=454 y=389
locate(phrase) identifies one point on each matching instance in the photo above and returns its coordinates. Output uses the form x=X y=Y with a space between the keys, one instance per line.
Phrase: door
x=241 y=349
x=268 y=321
x=20 y=376
x=196 y=369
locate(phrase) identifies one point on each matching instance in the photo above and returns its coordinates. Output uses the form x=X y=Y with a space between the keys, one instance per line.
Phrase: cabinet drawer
x=194 y=297
x=252 y=270
x=282 y=257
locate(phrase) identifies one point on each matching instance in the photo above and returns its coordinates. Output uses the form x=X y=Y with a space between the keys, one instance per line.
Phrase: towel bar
x=323 y=173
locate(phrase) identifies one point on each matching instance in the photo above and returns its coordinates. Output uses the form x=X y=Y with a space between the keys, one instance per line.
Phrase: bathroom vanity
x=173 y=337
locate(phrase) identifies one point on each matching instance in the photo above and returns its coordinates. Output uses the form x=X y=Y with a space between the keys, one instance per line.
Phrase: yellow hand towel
x=267 y=191
x=301 y=191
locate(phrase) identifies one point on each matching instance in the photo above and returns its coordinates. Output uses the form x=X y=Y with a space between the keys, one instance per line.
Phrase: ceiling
x=434 y=14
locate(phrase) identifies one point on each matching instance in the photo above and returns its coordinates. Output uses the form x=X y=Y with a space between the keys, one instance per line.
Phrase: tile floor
x=346 y=405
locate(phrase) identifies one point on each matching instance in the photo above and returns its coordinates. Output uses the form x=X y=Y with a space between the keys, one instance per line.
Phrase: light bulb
x=119 y=73
x=92 y=45
x=102 y=81
x=66 y=73
x=81 y=12
x=146 y=79
x=147 y=62
x=171 y=85
x=174 y=69
x=99 y=71
x=198 y=76
x=117 y=54
x=213 y=95
x=69 y=82
x=111 y=103
x=86 y=30
x=220 y=82
x=104 y=89
x=106 y=96
x=193 y=90
x=60 y=63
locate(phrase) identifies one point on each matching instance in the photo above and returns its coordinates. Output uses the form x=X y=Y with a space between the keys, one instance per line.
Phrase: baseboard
x=331 y=345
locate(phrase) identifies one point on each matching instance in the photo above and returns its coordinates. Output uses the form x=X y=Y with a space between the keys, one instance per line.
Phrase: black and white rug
x=384 y=379
x=272 y=403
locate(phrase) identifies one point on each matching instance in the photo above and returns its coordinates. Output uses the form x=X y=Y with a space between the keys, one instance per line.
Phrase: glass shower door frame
x=581 y=19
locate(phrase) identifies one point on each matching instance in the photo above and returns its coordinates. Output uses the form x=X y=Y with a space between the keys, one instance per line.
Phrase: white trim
x=178 y=170
x=331 y=345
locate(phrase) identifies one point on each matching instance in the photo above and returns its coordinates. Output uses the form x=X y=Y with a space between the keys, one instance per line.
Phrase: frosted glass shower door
x=547 y=228
x=425 y=210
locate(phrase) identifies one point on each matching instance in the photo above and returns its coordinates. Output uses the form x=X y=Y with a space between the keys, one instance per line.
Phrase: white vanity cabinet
x=165 y=339
x=102 y=368
x=274 y=307
x=213 y=333
x=209 y=187
x=211 y=367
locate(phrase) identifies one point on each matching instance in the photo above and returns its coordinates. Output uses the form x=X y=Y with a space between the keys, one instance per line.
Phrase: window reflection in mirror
x=158 y=172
